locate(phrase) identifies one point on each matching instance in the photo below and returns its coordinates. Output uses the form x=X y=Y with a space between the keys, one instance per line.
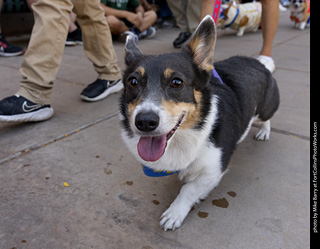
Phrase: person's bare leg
x=116 y=25
x=206 y=8
x=149 y=18
x=269 y=24
x=73 y=16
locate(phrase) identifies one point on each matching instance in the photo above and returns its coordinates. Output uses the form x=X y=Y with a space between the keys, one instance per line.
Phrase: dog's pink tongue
x=152 y=148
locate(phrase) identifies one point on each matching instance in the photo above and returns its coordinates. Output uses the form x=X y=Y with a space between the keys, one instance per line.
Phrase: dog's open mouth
x=151 y=148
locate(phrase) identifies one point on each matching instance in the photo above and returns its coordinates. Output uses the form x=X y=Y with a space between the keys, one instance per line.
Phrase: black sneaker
x=182 y=38
x=18 y=109
x=74 y=38
x=100 y=89
x=7 y=49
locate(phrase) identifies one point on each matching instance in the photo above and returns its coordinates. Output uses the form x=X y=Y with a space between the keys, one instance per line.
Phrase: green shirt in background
x=121 y=4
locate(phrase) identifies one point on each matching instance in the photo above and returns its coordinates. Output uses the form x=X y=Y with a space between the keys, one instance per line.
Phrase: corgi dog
x=180 y=112
x=241 y=17
x=300 y=13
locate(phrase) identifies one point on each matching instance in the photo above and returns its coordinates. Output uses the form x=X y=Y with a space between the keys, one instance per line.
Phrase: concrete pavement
x=262 y=202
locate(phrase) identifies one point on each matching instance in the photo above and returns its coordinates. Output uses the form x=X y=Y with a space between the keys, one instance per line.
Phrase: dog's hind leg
x=264 y=132
x=267 y=108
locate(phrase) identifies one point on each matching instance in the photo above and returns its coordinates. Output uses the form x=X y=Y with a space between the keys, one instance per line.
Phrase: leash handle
x=216 y=10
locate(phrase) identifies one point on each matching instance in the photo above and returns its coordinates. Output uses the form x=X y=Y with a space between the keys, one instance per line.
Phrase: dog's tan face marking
x=141 y=71
x=167 y=73
x=132 y=106
x=192 y=111
x=193 y=116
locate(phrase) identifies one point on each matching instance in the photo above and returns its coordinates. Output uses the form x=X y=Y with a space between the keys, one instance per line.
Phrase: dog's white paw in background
x=301 y=25
x=264 y=132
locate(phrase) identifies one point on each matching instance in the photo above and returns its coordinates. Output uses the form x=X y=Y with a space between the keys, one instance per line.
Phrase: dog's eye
x=176 y=83
x=133 y=83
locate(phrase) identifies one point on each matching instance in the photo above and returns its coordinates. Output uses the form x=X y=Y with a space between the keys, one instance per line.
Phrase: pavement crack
x=285 y=132
x=58 y=138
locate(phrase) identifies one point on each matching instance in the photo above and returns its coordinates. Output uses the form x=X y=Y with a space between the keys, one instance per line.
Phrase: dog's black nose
x=148 y=121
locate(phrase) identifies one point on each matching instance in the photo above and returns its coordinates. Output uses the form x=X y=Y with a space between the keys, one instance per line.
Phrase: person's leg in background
x=43 y=57
x=40 y=64
x=7 y=49
x=207 y=8
x=179 y=11
x=193 y=14
x=97 y=42
x=74 y=33
x=72 y=26
x=42 y=61
x=269 y=24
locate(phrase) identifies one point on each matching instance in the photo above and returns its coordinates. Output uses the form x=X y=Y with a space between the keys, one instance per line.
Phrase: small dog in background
x=300 y=13
x=241 y=17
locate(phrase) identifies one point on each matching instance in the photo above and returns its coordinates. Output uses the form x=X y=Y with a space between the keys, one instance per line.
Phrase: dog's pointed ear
x=132 y=52
x=201 y=44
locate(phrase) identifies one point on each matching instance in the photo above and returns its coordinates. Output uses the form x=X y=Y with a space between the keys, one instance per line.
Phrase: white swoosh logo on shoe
x=29 y=108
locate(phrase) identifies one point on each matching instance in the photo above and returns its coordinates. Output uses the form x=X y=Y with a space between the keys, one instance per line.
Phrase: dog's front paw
x=173 y=217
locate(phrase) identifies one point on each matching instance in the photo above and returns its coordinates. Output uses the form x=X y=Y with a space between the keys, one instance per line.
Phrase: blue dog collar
x=152 y=173
x=234 y=19
x=216 y=75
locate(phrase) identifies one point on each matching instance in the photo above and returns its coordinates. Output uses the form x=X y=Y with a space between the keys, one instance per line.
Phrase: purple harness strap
x=216 y=75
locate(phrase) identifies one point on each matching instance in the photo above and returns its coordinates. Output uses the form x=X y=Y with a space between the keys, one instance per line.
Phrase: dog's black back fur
x=246 y=84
